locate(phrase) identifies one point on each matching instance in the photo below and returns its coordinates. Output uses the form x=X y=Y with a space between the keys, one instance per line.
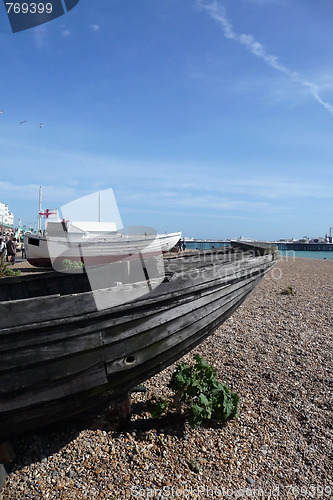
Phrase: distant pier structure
x=205 y=244
x=300 y=246
x=282 y=245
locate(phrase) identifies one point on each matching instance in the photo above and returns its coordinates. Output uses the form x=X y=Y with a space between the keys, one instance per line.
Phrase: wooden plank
x=165 y=342
x=63 y=307
x=44 y=392
x=164 y=293
x=100 y=338
x=154 y=365
x=95 y=344
x=149 y=334
x=27 y=311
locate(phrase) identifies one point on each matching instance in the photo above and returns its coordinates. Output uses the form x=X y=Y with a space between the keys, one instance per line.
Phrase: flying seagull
x=1 y=111
x=40 y=125
x=24 y=121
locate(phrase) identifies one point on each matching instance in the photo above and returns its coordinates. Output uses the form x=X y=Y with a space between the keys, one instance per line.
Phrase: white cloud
x=94 y=27
x=65 y=33
x=218 y=13
x=30 y=192
x=230 y=187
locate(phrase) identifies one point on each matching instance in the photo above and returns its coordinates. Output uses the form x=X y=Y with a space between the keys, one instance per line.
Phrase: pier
x=300 y=246
x=206 y=244
x=282 y=245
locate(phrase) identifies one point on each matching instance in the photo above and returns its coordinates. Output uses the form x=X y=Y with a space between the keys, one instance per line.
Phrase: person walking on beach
x=6 y=239
x=23 y=250
x=3 y=251
x=11 y=250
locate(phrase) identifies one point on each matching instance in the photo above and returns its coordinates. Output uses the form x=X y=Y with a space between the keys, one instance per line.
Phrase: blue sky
x=210 y=117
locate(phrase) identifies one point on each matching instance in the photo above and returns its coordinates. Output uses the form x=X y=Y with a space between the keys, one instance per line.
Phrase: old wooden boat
x=66 y=344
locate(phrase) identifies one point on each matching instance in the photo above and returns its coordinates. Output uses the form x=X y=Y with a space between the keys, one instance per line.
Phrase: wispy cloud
x=218 y=13
x=39 y=36
x=145 y=178
x=65 y=33
x=267 y=2
x=210 y=201
x=94 y=27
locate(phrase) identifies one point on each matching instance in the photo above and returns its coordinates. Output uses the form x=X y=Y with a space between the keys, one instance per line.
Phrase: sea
x=307 y=254
x=206 y=245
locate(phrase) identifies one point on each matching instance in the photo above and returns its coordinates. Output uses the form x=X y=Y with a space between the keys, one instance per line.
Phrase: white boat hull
x=98 y=250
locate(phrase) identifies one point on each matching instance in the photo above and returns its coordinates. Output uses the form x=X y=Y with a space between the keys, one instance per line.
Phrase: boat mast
x=99 y=206
x=40 y=209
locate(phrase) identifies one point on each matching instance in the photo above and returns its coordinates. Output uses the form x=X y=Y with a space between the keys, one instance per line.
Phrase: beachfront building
x=6 y=217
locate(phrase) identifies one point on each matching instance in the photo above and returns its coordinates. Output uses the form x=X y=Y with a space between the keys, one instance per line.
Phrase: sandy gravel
x=24 y=266
x=276 y=353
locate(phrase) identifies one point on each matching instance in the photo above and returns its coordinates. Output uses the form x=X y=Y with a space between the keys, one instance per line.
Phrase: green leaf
x=199 y=393
x=160 y=405
x=203 y=400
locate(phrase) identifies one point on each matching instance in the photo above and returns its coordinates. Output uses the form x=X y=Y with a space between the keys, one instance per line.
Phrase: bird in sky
x=23 y=121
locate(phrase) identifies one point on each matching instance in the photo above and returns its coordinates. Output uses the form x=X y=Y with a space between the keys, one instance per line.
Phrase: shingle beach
x=275 y=352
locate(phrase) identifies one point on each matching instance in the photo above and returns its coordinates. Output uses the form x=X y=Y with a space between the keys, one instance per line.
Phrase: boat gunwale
x=146 y=302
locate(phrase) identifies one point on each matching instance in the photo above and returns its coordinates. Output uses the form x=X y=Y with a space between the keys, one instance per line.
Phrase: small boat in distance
x=91 y=241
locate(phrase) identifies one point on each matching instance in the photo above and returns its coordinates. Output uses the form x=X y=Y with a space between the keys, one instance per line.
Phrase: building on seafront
x=6 y=217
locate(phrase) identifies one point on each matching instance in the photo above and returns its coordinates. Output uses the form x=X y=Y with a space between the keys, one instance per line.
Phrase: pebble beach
x=275 y=352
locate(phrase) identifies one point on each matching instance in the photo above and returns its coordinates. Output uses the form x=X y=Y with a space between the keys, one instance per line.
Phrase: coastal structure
x=320 y=244
x=304 y=246
x=200 y=244
x=6 y=217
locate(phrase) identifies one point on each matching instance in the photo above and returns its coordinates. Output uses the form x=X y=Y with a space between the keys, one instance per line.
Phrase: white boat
x=92 y=241
x=68 y=241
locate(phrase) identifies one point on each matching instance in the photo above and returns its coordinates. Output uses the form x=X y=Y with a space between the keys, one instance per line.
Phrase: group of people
x=8 y=247
x=181 y=245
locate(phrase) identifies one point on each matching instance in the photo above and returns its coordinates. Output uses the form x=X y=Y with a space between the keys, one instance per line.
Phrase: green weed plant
x=7 y=271
x=199 y=395
x=288 y=291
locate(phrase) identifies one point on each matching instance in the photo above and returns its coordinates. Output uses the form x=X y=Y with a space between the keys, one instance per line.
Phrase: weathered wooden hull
x=60 y=356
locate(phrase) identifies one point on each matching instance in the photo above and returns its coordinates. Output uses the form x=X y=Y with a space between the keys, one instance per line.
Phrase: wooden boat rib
x=62 y=356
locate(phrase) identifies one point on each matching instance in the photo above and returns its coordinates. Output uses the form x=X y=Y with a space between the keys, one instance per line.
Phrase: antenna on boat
x=40 y=209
